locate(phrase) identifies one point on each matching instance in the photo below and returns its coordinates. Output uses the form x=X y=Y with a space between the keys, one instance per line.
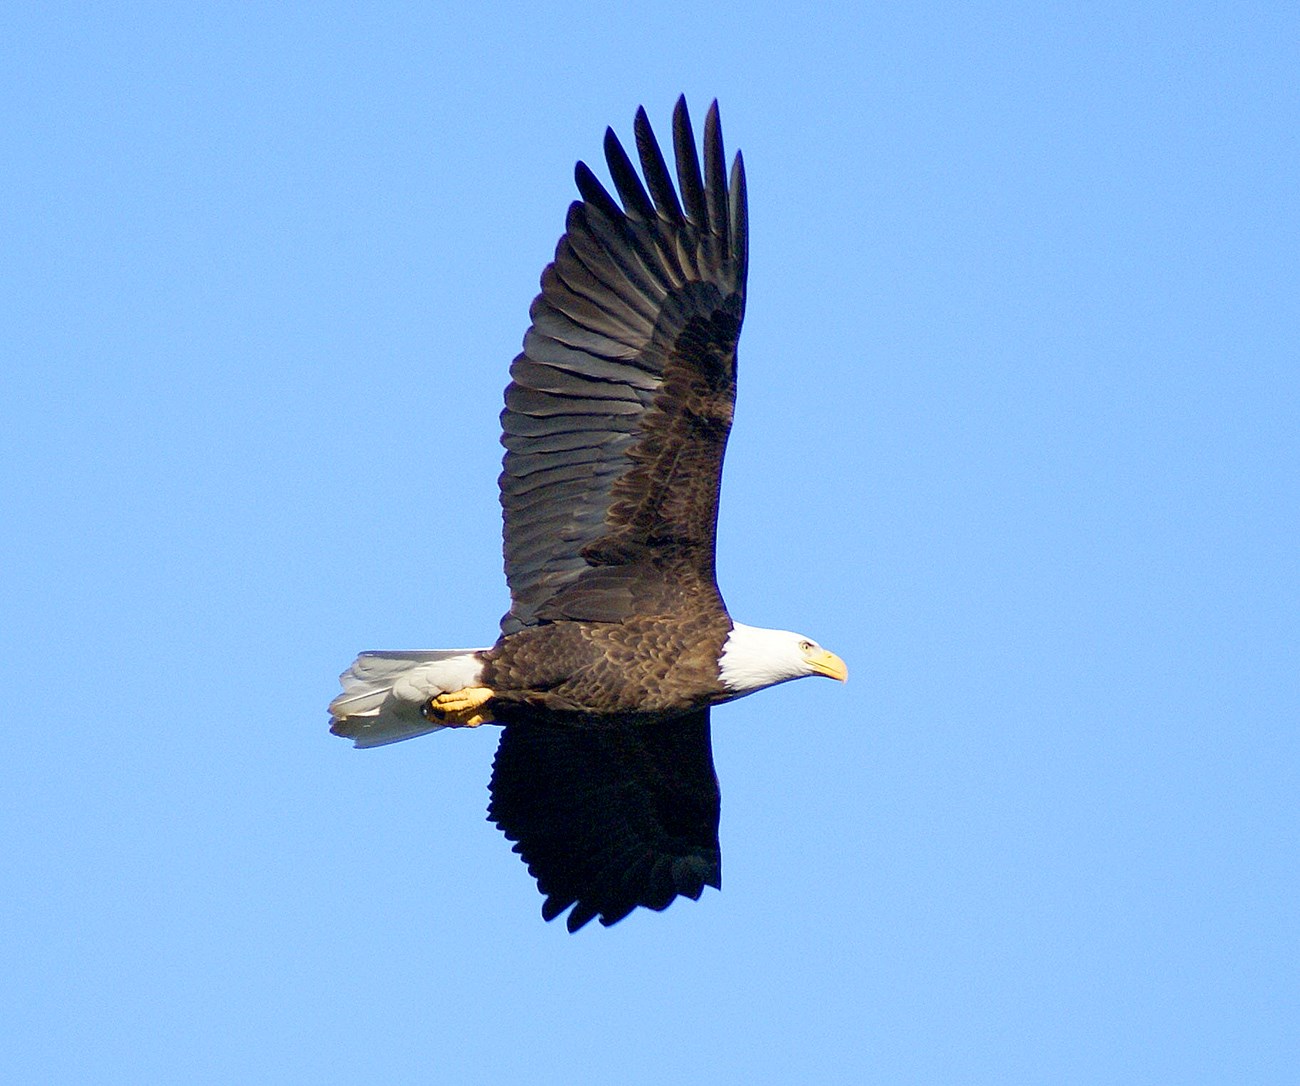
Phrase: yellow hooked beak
x=828 y=664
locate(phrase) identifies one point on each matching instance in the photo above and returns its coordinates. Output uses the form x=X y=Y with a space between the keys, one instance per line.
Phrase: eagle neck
x=754 y=658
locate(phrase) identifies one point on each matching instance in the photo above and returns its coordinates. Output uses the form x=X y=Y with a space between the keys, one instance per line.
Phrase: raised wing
x=610 y=818
x=618 y=410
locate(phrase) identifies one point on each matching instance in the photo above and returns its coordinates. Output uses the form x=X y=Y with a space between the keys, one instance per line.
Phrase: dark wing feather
x=610 y=818
x=619 y=407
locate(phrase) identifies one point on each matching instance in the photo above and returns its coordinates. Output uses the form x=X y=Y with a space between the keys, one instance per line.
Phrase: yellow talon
x=460 y=708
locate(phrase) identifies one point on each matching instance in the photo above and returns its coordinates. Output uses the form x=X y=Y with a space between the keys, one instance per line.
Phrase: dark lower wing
x=610 y=818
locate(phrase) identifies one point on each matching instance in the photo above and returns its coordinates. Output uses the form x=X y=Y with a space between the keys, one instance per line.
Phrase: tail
x=384 y=693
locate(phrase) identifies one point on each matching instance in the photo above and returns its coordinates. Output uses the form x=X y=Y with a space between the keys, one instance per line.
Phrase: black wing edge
x=610 y=818
x=716 y=205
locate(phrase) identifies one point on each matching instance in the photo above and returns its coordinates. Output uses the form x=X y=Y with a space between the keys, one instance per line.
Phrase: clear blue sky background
x=1017 y=436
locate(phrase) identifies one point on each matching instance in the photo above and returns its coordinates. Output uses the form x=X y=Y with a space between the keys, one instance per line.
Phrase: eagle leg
x=460 y=708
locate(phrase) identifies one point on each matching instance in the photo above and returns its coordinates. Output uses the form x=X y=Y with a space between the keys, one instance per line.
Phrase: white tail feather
x=384 y=692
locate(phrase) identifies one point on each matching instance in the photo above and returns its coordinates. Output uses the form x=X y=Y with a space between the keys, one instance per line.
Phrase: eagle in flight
x=617 y=644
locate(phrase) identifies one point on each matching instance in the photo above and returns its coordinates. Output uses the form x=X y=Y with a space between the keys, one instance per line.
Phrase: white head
x=753 y=658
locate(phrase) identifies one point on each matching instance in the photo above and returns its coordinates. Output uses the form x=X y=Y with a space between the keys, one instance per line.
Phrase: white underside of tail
x=384 y=692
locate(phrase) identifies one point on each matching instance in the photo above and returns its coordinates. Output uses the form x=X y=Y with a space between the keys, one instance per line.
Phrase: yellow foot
x=460 y=708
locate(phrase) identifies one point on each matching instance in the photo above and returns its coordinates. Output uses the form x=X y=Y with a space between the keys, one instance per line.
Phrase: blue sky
x=1017 y=437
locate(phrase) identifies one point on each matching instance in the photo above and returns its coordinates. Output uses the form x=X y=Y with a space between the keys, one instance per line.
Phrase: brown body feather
x=644 y=669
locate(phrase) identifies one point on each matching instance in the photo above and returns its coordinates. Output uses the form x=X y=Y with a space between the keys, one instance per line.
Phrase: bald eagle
x=617 y=643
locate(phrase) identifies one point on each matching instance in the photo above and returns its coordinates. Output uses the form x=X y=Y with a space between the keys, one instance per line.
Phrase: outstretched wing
x=619 y=407
x=610 y=818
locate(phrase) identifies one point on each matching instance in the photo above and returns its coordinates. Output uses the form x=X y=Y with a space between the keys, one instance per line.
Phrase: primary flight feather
x=617 y=642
